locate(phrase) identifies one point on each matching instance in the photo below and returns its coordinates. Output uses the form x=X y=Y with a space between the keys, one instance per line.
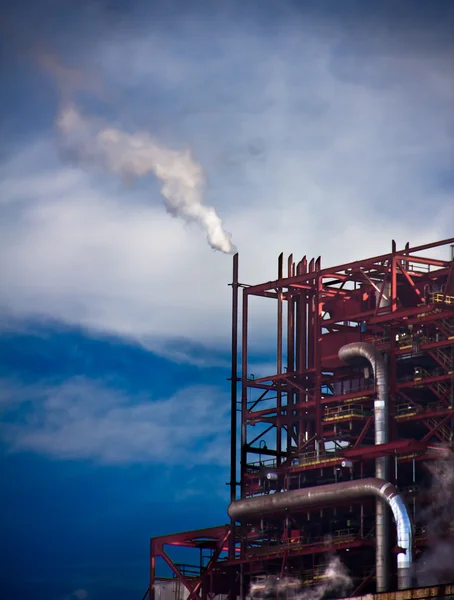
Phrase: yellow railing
x=337 y=413
x=357 y=399
x=314 y=458
x=408 y=410
x=437 y=297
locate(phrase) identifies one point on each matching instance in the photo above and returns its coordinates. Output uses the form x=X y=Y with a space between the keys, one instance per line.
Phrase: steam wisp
x=335 y=580
x=436 y=566
x=137 y=155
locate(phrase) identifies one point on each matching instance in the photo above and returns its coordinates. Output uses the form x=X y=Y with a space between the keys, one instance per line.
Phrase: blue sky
x=321 y=127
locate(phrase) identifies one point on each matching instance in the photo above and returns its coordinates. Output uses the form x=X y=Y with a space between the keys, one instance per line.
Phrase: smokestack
x=247 y=508
x=347 y=354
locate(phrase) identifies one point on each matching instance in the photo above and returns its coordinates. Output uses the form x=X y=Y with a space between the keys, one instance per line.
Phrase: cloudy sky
x=312 y=127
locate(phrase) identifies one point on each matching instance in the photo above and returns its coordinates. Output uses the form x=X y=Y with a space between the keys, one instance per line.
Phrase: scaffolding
x=311 y=422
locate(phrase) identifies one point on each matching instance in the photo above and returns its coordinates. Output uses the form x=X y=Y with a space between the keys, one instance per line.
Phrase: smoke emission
x=137 y=155
x=335 y=580
x=436 y=565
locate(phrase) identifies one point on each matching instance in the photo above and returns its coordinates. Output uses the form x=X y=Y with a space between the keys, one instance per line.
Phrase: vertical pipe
x=305 y=327
x=301 y=346
x=151 y=589
x=362 y=521
x=393 y=278
x=244 y=380
x=297 y=317
x=310 y=380
x=243 y=455
x=234 y=396
x=298 y=326
x=382 y=472
x=317 y=351
x=280 y=274
x=290 y=354
x=391 y=359
x=382 y=545
x=303 y=321
x=242 y=581
x=404 y=262
x=298 y=332
x=377 y=362
x=310 y=321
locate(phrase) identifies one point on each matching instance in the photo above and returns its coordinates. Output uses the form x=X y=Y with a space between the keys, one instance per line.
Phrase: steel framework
x=311 y=421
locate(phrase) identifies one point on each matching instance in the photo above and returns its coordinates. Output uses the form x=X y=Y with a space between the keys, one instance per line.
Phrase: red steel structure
x=311 y=422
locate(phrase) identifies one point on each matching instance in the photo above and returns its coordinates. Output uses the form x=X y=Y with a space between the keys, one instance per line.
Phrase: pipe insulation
x=250 y=508
x=348 y=354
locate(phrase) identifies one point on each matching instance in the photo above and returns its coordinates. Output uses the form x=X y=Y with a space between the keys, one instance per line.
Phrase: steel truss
x=311 y=422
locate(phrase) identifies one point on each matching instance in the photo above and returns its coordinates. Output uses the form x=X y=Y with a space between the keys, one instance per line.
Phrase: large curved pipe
x=249 y=508
x=348 y=354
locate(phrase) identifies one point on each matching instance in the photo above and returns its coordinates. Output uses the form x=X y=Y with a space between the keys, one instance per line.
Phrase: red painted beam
x=406 y=254
x=192 y=536
x=398 y=447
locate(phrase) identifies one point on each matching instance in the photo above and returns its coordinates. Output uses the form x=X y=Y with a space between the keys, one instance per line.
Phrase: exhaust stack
x=350 y=353
x=242 y=510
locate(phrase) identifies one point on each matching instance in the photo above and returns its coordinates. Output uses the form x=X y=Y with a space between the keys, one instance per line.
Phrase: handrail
x=338 y=536
x=410 y=409
x=437 y=297
x=346 y=410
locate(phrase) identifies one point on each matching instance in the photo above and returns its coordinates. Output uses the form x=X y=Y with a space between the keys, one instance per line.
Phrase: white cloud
x=84 y=419
x=313 y=143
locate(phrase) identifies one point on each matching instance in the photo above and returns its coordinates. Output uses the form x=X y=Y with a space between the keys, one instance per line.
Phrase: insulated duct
x=250 y=508
x=348 y=354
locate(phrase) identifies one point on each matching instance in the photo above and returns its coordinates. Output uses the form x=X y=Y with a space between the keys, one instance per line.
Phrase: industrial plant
x=340 y=483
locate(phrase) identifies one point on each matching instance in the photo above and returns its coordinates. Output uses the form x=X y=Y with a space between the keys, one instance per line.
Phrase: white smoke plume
x=436 y=565
x=335 y=580
x=137 y=155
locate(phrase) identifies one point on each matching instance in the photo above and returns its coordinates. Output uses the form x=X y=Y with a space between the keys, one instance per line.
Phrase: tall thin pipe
x=244 y=388
x=301 y=355
x=250 y=508
x=279 y=361
x=280 y=271
x=349 y=353
x=317 y=338
x=290 y=354
x=234 y=396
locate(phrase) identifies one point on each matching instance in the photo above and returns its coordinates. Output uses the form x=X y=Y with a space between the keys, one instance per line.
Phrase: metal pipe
x=290 y=355
x=244 y=388
x=234 y=397
x=350 y=353
x=280 y=304
x=250 y=508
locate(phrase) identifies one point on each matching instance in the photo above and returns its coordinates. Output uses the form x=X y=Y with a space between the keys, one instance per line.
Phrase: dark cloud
x=60 y=37
x=53 y=351
x=77 y=20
